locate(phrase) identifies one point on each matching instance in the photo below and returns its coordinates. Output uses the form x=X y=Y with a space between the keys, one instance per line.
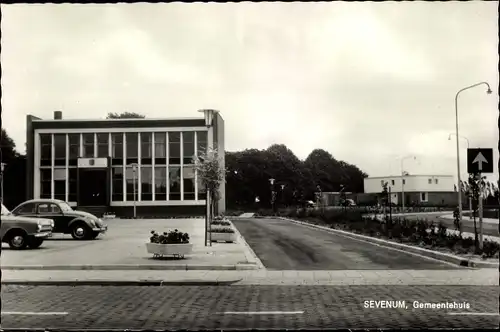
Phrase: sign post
x=480 y=161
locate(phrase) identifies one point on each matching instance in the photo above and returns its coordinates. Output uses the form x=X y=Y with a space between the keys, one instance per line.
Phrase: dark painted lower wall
x=158 y=211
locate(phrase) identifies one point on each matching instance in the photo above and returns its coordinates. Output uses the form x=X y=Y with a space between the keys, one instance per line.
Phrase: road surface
x=284 y=245
x=259 y=307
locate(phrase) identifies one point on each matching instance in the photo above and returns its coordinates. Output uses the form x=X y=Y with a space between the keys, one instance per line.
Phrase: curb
x=249 y=253
x=123 y=283
x=133 y=267
x=460 y=261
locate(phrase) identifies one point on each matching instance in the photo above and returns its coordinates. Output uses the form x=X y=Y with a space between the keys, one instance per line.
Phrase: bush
x=172 y=237
x=222 y=230
x=490 y=249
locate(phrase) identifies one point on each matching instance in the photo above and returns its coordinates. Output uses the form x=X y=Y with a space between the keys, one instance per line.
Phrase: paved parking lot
x=124 y=243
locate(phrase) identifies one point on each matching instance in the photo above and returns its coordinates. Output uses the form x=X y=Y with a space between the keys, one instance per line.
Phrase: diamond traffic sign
x=479 y=160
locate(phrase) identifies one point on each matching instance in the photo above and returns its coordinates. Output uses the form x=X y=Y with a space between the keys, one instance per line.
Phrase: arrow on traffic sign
x=480 y=159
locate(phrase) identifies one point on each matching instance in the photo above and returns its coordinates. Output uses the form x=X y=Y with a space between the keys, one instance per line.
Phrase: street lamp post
x=342 y=197
x=273 y=194
x=458 y=148
x=468 y=147
x=403 y=182
x=283 y=194
x=2 y=173
x=134 y=174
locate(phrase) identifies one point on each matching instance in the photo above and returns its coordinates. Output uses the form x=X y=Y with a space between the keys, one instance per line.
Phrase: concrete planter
x=223 y=237
x=176 y=250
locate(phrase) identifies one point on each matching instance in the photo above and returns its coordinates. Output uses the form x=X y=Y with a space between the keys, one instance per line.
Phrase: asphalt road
x=256 y=307
x=283 y=245
x=467 y=224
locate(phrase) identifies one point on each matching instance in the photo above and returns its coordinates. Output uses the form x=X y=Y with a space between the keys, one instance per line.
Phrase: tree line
x=249 y=174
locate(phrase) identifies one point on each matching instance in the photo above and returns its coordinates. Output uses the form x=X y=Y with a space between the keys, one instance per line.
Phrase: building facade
x=89 y=163
x=418 y=189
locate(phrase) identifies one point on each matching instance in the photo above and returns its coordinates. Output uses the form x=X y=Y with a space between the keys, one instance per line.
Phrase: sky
x=369 y=82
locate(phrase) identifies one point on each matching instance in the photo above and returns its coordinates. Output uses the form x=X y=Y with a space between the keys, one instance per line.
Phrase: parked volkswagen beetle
x=81 y=225
x=22 y=232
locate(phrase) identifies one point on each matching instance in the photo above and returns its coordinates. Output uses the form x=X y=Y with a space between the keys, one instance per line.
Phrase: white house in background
x=418 y=189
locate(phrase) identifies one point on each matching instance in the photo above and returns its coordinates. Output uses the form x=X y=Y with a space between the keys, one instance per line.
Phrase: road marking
x=262 y=312
x=30 y=313
x=473 y=314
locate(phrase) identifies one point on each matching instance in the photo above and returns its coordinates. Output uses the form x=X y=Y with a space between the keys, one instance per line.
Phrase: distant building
x=418 y=189
x=88 y=163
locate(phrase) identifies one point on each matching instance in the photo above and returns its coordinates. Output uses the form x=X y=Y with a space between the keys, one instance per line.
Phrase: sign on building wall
x=92 y=162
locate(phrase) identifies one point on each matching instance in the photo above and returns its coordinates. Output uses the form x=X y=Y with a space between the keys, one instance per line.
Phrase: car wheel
x=18 y=240
x=80 y=231
x=35 y=243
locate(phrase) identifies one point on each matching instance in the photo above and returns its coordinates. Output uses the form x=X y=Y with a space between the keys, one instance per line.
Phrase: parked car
x=22 y=232
x=81 y=225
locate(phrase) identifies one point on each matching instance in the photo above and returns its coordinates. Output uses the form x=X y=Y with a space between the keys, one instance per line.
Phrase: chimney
x=57 y=115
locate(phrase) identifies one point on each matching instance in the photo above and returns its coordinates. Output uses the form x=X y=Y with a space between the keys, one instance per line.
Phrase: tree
x=476 y=185
x=8 y=148
x=208 y=164
x=14 y=175
x=125 y=115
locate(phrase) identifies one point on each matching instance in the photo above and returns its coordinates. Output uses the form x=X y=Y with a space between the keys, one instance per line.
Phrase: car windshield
x=5 y=211
x=65 y=206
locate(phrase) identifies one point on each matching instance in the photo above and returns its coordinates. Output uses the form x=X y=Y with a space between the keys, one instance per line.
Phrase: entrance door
x=92 y=187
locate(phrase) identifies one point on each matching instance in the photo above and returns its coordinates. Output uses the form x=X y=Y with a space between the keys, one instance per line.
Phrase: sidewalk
x=123 y=247
x=485 y=220
x=262 y=277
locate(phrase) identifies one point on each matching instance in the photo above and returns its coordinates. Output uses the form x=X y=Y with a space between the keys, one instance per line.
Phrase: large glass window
x=174 y=148
x=117 y=148
x=188 y=182
x=129 y=177
x=160 y=184
x=117 y=174
x=174 y=179
x=74 y=148
x=188 y=147
x=132 y=147
x=72 y=184
x=88 y=146
x=45 y=149
x=146 y=183
x=60 y=184
x=146 y=148
x=201 y=142
x=202 y=193
x=160 y=148
x=59 y=149
x=45 y=182
x=102 y=145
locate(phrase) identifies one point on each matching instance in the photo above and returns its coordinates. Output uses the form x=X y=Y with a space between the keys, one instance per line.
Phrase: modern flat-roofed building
x=88 y=163
x=418 y=189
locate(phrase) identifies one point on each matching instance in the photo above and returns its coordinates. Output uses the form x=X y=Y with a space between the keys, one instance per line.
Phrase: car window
x=48 y=208
x=29 y=208
x=5 y=211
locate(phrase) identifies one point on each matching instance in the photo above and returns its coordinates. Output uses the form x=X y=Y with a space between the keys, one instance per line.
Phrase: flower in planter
x=221 y=223
x=172 y=237
x=222 y=230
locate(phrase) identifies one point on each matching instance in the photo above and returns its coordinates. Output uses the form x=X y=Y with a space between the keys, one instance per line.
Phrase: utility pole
x=134 y=171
